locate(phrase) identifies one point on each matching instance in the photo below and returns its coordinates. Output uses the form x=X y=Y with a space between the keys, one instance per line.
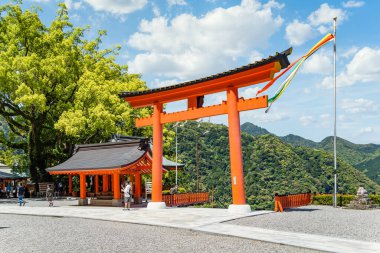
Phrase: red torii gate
x=194 y=91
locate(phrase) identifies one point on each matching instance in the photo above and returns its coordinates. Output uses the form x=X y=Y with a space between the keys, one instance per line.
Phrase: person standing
x=20 y=194
x=8 y=190
x=127 y=196
x=49 y=194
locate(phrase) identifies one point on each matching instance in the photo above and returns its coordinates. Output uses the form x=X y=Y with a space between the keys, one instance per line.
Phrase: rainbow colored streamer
x=294 y=67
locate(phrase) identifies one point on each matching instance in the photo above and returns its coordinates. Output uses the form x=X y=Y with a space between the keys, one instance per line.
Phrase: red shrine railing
x=290 y=201
x=185 y=199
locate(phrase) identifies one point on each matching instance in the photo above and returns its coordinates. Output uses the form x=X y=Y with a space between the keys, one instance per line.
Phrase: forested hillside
x=364 y=157
x=270 y=166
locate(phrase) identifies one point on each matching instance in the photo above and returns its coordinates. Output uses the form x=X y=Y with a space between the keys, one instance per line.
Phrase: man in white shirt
x=127 y=195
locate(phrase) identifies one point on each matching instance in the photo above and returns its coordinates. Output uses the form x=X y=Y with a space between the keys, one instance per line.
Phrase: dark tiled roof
x=5 y=175
x=106 y=156
x=282 y=58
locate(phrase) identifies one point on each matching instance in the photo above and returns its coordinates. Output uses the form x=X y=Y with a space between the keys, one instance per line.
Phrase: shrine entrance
x=194 y=92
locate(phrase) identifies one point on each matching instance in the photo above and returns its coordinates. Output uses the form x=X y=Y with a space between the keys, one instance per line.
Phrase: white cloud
x=364 y=67
x=325 y=120
x=188 y=46
x=157 y=83
x=366 y=130
x=259 y=116
x=319 y=21
x=118 y=7
x=249 y=92
x=72 y=5
x=325 y=14
x=350 y=52
x=255 y=56
x=156 y=10
x=307 y=90
x=306 y=120
x=297 y=32
x=359 y=105
x=176 y=2
x=353 y=4
x=319 y=63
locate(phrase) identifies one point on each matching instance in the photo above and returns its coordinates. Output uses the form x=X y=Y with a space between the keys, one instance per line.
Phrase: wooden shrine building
x=9 y=177
x=194 y=92
x=111 y=161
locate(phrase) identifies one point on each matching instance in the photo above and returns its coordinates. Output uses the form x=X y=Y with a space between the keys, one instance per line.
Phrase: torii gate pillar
x=157 y=160
x=236 y=157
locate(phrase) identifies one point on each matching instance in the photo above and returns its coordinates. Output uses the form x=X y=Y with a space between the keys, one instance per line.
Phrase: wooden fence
x=185 y=199
x=290 y=201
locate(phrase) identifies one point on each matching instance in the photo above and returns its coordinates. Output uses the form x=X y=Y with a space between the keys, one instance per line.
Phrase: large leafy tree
x=57 y=88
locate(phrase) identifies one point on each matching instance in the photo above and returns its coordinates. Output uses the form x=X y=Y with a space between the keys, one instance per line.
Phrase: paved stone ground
x=361 y=225
x=41 y=202
x=22 y=233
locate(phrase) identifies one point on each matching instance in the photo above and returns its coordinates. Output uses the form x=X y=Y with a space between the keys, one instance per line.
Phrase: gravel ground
x=20 y=233
x=323 y=220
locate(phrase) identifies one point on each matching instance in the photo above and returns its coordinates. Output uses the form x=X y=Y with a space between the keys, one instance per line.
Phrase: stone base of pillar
x=116 y=202
x=137 y=200
x=239 y=209
x=156 y=205
x=83 y=202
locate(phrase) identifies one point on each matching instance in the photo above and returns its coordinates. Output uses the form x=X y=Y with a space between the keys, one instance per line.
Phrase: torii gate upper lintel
x=194 y=92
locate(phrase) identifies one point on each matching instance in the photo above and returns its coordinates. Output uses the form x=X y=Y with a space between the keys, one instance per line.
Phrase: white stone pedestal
x=156 y=205
x=239 y=209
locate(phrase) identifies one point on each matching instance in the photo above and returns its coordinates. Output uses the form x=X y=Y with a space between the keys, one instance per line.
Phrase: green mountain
x=364 y=157
x=296 y=140
x=270 y=166
x=371 y=168
x=253 y=129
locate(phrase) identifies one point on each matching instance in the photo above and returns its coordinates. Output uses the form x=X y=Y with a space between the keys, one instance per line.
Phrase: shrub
x=327 y=199
x=375 y=199
x=165 y=192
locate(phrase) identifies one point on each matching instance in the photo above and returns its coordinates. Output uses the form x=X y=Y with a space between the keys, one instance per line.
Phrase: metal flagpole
x=335 y=181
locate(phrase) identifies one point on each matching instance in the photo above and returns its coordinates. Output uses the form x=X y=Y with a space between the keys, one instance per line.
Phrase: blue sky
x=171 y=41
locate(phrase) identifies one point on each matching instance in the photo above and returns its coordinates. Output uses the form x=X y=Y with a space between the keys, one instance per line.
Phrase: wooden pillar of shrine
x=157 y=159
x=96 y=184
x=236 y=157
x=70 y=188
x=137 y=197
x=116 y=201
x=105 y=183
x=82 y=187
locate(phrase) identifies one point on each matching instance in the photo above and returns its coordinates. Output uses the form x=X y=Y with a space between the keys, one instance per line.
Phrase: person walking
x=127 y=195
x=49 y=194
x=8 y=190
x=20 y=194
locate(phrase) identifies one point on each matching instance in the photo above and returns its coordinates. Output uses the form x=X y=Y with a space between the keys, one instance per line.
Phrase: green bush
x=165 y=192
x=328 y=199
x=181 y=190
x=375 y=199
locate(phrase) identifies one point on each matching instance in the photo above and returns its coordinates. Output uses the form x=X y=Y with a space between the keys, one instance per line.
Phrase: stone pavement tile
x=169 y=217
x=309 y=241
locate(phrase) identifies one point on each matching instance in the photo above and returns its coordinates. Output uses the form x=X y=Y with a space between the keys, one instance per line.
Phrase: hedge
x=327 y=199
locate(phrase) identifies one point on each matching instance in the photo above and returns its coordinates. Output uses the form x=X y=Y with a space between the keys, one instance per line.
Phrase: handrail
x=185 y=198
x=290 y=201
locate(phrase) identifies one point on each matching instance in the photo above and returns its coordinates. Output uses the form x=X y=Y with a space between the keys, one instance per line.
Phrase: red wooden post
x=157 y=154
x=236 y=158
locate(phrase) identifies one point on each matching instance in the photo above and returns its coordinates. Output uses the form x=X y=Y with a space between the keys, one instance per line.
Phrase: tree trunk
x=36 y=155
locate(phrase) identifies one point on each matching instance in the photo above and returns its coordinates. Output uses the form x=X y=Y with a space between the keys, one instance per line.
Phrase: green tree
x=58 y=88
